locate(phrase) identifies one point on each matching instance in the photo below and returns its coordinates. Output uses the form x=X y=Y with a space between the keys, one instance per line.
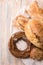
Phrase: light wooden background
x=8 y=10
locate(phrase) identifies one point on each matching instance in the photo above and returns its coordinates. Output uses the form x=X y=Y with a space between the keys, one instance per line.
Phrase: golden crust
x=35 y=11
x=20 y=21
x=31 y=31
x=32 y=28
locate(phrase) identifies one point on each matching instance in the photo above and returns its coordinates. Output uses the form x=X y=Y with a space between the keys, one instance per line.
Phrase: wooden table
x=8 y=10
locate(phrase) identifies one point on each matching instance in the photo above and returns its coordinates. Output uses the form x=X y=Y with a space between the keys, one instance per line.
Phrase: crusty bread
x=33 y=33
x=20 y=21
x=35 y=11
x=33 y=29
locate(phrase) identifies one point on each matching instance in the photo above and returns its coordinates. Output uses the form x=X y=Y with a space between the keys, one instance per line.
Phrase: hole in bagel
x=21 y=45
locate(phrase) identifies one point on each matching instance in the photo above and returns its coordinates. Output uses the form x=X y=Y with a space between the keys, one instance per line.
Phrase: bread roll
x=36 y=54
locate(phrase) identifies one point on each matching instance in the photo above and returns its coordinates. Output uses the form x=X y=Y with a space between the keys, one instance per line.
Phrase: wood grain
x=8 y=10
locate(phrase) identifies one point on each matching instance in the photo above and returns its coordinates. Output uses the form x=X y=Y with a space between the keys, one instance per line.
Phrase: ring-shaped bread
x=13 y=48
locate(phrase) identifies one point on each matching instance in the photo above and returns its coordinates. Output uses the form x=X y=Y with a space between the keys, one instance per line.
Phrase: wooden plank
x=8 y=10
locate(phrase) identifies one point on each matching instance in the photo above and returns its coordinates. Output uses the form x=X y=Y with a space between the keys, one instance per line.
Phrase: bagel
x=13 y=48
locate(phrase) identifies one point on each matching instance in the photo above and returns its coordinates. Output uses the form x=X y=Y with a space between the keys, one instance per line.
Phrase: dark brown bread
x=13 y=48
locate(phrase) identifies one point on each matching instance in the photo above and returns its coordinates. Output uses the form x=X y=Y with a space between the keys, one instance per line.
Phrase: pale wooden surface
x=8 y=10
